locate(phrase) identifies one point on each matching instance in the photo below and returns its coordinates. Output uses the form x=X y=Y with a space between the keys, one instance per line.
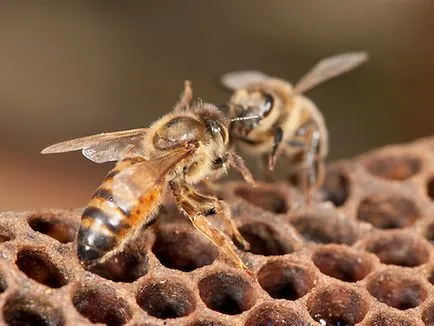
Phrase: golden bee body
x=272 y=117
x=176 y=152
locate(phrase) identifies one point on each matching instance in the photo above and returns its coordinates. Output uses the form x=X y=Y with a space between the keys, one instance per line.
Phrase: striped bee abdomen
x=104 y=224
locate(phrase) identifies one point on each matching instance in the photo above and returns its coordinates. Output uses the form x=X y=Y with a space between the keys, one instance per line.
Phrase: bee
x=273 y=118
x=179 y=150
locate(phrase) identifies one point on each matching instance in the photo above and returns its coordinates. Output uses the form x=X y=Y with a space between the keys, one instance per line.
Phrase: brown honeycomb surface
x=362 y=253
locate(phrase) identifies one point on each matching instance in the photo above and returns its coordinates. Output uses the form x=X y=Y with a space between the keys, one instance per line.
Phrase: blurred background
x=75 y=68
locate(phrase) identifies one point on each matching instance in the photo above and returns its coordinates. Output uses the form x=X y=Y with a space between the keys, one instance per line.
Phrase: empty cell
x=394 y=167
x=342 y=262
x=265 y=240
x=186 y=251
x=335 y=188
x=268 y=199
x=166 y=298
x=227 y=293
x=275 y=314
x=39 y=267
x=285 y=279
x=57 y=228
x=20 y=310
x=385 y=212
x=337 y=305
x=397 y=289
x=101 y=305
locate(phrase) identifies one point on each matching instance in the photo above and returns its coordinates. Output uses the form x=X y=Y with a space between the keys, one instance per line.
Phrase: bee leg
x=235 y=161
x=313 y=172
x=197 y=216
x=185 y=99
x=266 y=173
x=278 y=137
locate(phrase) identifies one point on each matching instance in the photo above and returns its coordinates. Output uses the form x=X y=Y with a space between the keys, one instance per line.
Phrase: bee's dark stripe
x=108 y=221
x=92 y=238
x=103 y=193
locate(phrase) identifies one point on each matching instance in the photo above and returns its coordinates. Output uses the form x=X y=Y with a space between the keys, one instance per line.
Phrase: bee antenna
x=245 y=118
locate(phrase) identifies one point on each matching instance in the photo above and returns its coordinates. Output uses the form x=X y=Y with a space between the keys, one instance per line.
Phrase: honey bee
x=176 y=152
x=273 y=118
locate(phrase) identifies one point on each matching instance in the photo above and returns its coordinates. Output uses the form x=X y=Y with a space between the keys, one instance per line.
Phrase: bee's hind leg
x=196 y=207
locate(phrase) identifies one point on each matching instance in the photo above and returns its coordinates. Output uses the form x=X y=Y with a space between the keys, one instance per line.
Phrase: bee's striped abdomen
x=104 y=224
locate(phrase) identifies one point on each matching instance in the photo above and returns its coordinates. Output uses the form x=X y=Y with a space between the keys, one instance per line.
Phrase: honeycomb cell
x=394 y=167
x=20 y=310
x=284 y=279
x=325 y=229
x=39 y=267
x=337 y=305
x=166 y=298
x=125 y=266
x=264 y=240
x=185 y=251
x=227 y=293
x=268 y=199
x=5 y=236
x=428 y=315
x=56 y=228
x=399 y=249
x=275 y=314
x=101 y=305
x=388 y=319
x=335 y=188
x=397 y=289
x=387 y=212
x=343 y=263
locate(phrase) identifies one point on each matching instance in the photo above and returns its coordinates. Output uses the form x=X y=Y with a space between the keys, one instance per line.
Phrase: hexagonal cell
x=397 y=289
x=124 y=266
x=275 y=314
x=266 y=198
x=335 y=188
x=286 y=279
x=343 y=263
x=264 y=240
x=387 y=212
x=399 y=249
x=31 y=310
x=337 y=305
x=39 y=267
x=166 y=298
x=101 y=305
x=227 y=293
x=388 y=319
x=325 y=229
x=394 y=167
x=53 y=226
x=428 y=315
x=184 y=250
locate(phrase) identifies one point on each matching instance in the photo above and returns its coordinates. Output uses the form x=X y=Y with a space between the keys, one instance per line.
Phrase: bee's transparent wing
x=134 y=182
x=104 y=147
x=241 y=79
x=329 y=68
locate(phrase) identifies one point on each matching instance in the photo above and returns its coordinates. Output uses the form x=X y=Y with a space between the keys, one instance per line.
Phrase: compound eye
x=268 y=104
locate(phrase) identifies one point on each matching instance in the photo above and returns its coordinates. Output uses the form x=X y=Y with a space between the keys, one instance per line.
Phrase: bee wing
x=133 y=182
x=103 y=147
x=241 y=79
x=329 y=68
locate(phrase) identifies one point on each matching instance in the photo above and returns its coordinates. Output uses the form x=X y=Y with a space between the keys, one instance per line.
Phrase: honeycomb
x=361 y=253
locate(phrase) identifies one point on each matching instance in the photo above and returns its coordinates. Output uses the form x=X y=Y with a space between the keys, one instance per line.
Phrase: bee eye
x=268 y=104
